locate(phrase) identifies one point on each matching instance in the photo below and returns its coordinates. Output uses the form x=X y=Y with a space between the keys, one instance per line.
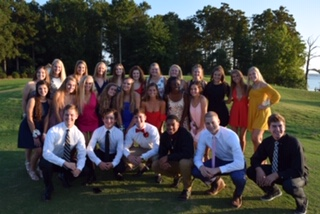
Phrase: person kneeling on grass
x=288 y=165
x=141 y=144
x=62 y=142
x=227 y=158
x=110 y=141
x=175 y=155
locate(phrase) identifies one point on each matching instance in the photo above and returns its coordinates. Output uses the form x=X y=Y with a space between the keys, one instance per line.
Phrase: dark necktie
x=67 y=147
x=107 y=145
x=275 y=157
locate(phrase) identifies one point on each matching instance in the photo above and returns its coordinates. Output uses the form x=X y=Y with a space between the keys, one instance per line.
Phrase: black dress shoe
x=176 y=182
x=158 y=179
x=47 y=194
x=90 y=180
x=64 y=180
x=119 y=177
x=141 y=171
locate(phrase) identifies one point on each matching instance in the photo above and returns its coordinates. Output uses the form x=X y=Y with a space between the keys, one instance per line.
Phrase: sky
x=305 y=13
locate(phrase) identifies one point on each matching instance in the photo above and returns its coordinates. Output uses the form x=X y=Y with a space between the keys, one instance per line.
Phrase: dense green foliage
x=34 y=34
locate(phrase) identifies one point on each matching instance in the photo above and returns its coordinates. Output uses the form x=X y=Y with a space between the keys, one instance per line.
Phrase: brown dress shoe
x=216 y=187
x=237 y=202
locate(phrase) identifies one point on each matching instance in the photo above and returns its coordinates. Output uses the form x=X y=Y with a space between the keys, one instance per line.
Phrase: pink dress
x=88 y=121
x=195 y=114
x=239 y=111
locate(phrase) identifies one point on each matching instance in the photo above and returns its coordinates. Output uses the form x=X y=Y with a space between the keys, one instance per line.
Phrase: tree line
x=34 y=34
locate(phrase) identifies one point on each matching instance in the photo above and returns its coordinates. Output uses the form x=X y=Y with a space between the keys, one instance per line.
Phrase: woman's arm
x=185 y=109
x=204 y=109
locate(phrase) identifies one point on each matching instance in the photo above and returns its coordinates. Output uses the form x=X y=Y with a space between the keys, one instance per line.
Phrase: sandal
x=27 y=164
x=33 y=175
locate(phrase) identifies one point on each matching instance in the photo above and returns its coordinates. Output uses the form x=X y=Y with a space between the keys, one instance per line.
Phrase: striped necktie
x=275 y=157
x=67 y=147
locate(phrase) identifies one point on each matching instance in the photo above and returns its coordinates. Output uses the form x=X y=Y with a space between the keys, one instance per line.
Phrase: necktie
x=213 y=149
x=275 y=157
x=140 y=130
x=107 y=145
x=67 y=147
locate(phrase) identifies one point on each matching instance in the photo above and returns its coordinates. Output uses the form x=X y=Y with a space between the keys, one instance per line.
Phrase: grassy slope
x=301 y=109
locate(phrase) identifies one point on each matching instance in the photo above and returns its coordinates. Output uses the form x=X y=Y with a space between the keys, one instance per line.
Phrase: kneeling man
x=288 y=166
x=176 y=155
x=227 y=158
x=62 y=142
x=110 y=141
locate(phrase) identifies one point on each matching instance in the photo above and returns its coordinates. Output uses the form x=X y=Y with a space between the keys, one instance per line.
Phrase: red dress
x=140 y=90
x=88 y=121
x=239 y=111
x=155 y=118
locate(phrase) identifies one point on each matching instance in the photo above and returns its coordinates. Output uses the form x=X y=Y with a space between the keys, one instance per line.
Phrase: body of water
x=313 y=82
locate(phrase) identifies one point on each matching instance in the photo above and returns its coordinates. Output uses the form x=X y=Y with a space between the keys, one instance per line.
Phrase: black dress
x=25 y=139
x=216 y=100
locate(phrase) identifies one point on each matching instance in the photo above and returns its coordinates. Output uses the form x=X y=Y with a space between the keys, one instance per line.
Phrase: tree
x=278 y=49
x=311 y=47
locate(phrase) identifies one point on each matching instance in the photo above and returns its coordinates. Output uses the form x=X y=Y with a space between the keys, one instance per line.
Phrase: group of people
x=79 y=123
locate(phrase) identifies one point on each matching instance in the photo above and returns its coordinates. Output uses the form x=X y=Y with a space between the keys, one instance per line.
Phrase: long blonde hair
x=63 y=70
x=96 y=70
x=121 y=94
x=61 y=92
x=82 y=92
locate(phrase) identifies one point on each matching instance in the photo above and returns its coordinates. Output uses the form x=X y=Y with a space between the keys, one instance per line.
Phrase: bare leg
x=242 y=136
x=28 y=154
x=256 y=137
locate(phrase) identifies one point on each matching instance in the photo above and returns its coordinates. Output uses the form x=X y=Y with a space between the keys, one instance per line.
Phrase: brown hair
x=276 y=117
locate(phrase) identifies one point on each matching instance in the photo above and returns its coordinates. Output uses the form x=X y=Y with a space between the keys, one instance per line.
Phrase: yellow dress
x=257 y=119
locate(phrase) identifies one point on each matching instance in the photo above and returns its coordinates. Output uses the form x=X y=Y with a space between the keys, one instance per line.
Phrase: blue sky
x=305 y=13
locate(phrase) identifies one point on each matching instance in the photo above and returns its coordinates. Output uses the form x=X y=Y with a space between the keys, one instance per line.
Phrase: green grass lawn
x=19 y=194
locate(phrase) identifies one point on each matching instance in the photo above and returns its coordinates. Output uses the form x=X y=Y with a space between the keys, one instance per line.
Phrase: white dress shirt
x=99 y=137
x=227 y=149
x=151 y=142
x=53 y=148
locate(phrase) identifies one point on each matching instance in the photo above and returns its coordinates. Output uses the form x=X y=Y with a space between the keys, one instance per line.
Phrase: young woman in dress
x=100 y=77
x=127 y=101
x=80 y=70
x=57 y=76
x=197 y=76
x=66 y=94
x=154 y=107
x=156 y=76
x=239 y=109
x=118 y=75
x=261 y=97
x=177 y=102
x=176 y=71
x=137 y=74
x=107 y=97
x=34 y=126
x=29 y=91
x=88 y=119
x=216 y=91
x=198 y=108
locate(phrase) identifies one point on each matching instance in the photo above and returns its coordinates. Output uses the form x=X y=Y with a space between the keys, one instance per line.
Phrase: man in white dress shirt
x=112 y=160
x=53 y=155
x=141 y=143
x=228 y=158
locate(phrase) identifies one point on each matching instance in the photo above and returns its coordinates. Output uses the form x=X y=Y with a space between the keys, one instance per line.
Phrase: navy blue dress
x=25 y=139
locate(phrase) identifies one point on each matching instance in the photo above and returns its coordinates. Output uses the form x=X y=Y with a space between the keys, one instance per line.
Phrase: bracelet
x=36 y=133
